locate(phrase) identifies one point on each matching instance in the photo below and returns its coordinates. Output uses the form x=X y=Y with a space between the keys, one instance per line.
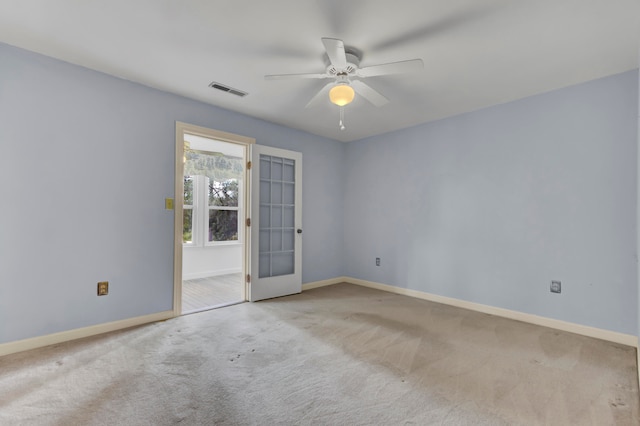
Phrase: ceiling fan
x=344 y=69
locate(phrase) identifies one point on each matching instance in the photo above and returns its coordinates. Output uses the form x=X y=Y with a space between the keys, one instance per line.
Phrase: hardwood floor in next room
x=204 y=293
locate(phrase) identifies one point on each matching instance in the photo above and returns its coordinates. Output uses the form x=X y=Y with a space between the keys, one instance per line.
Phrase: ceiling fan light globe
x=341 y=94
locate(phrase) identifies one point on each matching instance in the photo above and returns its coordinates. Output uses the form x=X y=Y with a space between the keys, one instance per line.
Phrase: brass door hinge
x=248 y=222
x=248 y=165
x=248 y=278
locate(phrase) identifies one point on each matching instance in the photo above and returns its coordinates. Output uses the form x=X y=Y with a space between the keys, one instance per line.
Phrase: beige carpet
x=339 y=355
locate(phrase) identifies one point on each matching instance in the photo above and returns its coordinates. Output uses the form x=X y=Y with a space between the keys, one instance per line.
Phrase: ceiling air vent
x=227 y=89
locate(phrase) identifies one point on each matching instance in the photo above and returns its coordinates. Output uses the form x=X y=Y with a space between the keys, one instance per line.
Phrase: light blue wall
x=490 y=206
x=487 y=207
x=87 y=160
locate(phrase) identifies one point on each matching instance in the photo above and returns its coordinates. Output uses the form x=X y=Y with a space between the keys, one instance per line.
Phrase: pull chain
x=341 y=123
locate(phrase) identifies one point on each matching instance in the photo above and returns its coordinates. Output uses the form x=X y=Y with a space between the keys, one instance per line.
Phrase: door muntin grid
x=277 y=216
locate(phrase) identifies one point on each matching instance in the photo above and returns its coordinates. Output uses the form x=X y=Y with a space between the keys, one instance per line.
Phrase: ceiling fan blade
x=401 y=67
x=368 y=93
x=322 y=94
x=292 y=76
x=439 y=27
x=335 y=51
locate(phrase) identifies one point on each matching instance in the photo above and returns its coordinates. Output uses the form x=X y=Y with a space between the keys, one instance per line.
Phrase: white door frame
x=181 y=129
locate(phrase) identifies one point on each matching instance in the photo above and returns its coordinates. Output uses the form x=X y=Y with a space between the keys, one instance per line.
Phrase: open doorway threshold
x=202 y=294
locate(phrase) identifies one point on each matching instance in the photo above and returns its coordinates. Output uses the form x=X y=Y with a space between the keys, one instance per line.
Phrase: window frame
x=193 y=210
x=200 y=214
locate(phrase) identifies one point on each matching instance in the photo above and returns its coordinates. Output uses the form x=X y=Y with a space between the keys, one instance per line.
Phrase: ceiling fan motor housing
x=353 y=63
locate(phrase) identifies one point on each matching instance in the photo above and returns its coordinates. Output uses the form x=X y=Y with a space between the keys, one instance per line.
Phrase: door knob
x=299 y=231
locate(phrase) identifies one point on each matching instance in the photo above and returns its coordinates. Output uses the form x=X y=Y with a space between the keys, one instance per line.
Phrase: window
x=210 y=210
x=223 y=210
x=187 y=211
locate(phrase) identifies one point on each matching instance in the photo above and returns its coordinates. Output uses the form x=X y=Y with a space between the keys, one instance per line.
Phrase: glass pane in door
x=277 y=227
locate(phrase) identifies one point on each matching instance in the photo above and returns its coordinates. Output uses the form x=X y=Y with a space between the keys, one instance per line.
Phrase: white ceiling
x=477 y=53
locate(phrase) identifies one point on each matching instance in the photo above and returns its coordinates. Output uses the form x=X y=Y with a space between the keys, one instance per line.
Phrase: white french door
x=276 y=223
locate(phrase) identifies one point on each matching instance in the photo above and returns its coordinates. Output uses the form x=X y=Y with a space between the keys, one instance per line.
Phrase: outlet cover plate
x=556 y=286
x=103 y=288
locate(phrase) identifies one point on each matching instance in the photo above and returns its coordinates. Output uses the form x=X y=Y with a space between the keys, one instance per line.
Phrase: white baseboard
x=207 y=274
x=65 y=336
x=611 y=336
x=324 y=283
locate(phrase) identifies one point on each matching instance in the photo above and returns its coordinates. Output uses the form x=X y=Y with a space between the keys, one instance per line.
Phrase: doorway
x=210 y=213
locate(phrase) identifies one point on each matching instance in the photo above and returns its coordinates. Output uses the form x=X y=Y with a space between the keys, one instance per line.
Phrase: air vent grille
x=228 y=89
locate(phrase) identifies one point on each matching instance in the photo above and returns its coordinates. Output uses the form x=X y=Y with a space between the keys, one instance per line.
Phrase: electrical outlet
x=377 y=261
x=103 y=288
x=556 y=286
